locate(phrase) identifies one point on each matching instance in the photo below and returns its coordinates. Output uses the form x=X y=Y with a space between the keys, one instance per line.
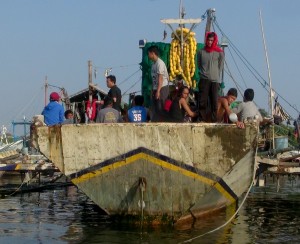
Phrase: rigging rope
x=129 y=77
x=239 y=208
x=235 y=82
x=237 y=67
x=244 y=60
x=125 y=93
x=115 y=67
x=28 y=104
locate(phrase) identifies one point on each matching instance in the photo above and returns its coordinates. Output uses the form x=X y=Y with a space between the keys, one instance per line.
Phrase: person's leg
x=154 y=108
x=202 y=99
x=164 y=93
x=214 y=88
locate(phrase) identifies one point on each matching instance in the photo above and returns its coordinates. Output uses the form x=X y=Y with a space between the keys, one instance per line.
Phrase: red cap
x=54 y=96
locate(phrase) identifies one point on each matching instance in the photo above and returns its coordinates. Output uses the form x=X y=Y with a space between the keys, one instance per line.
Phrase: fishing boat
x=155 y=172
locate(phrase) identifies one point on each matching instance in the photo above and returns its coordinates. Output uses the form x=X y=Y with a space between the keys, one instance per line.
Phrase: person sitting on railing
x=69 y=116
x=247 y=109
x=179 y=107
x=224 y=112
x=53 y=112
x=108 y=114
x=138 y=113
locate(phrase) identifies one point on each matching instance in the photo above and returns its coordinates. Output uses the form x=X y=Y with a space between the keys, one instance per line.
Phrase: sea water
x=270 y=214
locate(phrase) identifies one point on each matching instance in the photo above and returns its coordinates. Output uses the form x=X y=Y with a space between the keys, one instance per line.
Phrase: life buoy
x=91 y=109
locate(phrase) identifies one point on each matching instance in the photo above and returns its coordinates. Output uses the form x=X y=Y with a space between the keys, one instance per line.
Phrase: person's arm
x=199 y=59
x=225 y=105
x=221 y=62
x=120 y=119
x=114 y=95
x=186 y=107
x=159 y=86
x=61 y=115
x=101 y=117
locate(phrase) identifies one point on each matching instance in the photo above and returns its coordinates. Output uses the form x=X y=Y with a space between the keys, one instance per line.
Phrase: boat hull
x=154 y=172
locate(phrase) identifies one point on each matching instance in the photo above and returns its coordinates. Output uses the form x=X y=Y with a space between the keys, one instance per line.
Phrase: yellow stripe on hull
x=160 y=163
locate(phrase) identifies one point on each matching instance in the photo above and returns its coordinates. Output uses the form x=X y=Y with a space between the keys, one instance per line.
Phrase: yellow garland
x=188 y=67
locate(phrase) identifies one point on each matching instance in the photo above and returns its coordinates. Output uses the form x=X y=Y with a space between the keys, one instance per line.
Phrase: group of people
x=210 y=106
x=106 y=111
x=169 y=103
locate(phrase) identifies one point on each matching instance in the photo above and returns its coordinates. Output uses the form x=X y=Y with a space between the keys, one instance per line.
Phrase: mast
x=210 y=16
x=269 y=76
x=268 y=66
x=181 y=23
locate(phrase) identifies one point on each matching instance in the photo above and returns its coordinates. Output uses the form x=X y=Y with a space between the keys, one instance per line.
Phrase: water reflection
x=67 y=216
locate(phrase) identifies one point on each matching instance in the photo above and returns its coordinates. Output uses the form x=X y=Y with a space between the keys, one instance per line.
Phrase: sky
x=56 y=38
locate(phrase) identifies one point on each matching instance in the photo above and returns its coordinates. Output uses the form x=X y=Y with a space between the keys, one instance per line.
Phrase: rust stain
x=233 y=140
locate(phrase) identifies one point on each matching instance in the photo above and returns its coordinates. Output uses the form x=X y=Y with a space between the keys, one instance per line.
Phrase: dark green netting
x=164 y=50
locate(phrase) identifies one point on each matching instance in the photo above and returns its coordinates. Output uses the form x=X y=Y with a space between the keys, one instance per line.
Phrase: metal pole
x=90 y=67
x=13 y=124
x=46 y=87
x=24 y=131
x=208 y=22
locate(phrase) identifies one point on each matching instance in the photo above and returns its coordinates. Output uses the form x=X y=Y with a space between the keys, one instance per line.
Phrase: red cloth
x=91 y=109
x=214 y=46
x=167 y=105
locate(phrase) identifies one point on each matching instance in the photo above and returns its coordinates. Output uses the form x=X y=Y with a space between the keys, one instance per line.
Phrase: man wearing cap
x=53 y=112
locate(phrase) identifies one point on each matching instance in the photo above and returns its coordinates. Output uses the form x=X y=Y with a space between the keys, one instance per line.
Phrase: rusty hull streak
x=226 y=137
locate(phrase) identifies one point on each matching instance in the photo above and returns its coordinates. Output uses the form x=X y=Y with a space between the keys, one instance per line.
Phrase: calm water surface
x=269 y=215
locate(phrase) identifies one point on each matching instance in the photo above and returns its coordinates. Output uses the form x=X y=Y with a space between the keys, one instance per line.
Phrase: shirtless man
x=224 y=110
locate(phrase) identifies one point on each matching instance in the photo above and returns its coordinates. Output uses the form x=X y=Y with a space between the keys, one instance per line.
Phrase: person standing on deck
x=114 y=92
x=210 y=63
x=53 y=112
x=160 y=88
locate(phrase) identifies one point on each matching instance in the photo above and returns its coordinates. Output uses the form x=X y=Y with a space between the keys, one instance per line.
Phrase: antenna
x=182 y=12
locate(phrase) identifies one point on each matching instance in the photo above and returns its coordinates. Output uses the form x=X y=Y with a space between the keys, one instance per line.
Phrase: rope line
x=125 y=93
x=129 y=77
x=29 y=103
x=239 y=208
x=237 y=67
x=253 y=70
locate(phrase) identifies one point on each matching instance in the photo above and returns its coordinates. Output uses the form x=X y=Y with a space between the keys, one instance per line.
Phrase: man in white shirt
x=160 y=88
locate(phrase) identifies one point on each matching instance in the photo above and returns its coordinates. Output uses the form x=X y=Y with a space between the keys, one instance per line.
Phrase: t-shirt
x=159 y=67
x=176 y=112
x=248 y=110
x=108 y=115
x=116 y=92
x=137 y=114
x=210 y=65
x=68 y=121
